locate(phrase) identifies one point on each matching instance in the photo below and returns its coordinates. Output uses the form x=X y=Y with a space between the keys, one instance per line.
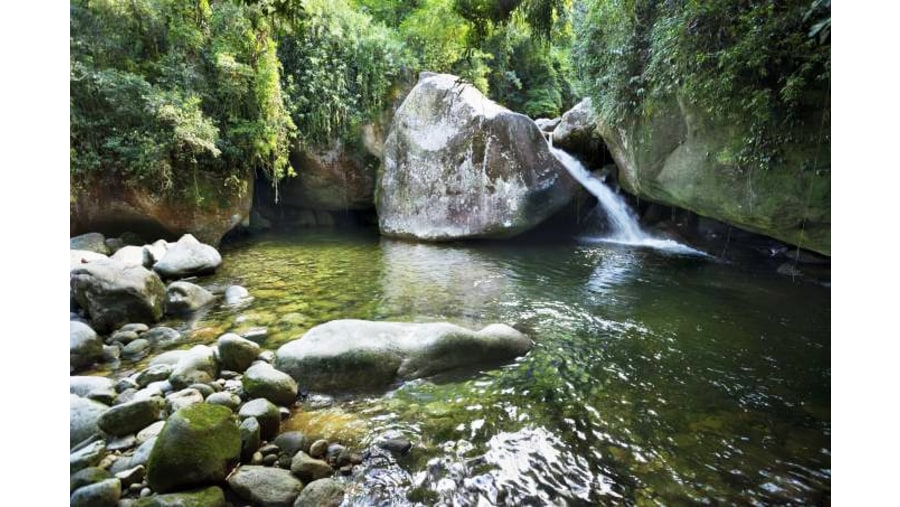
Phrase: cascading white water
x=624 y=227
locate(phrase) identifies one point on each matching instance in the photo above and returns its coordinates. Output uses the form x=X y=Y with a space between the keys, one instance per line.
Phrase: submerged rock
x=198 y=446
x=185 y=297
x=457 y=165
x=359 y=354
x=114 y=294
x=188 y=257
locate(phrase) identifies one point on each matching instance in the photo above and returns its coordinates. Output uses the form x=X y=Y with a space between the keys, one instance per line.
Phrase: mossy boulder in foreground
x=198 y=446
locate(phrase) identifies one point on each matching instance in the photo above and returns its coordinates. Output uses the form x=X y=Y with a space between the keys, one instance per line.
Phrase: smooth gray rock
x=79 y=257
x=130 y=417
x=236 y=353
x=154 y=373
x=576 y=128
x=212 y=496
x=321 y=493
x=250 y=439
x=457 y=165
x=183 y=398
x=99 y=389
x=358 y=354
x=132 y=476
x=155 y=252
x=130 y=256
x=105 y=493
x=85 y=346
x=236 y=295
x=150 y=432
x=123 y=337
x=114 y=294
x=198 y=446
x=229 y=400
x=198 y=365
x=185 y=297
x=140 y=457
x=137 y=327
x=136 y=349
x=262 y=380
x=188 y=257
x=86 y=476
x=163 y=337
x=308 y=468
x=88 y=456
x=83 y=416
x=266 y=487
x=92 y=242
x=266 y=415
x=291 y=442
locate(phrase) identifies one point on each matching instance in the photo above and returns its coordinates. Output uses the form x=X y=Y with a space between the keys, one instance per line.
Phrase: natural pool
x=656 y=378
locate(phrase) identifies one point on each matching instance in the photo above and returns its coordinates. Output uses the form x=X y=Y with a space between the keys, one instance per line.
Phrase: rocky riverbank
x=202 y=426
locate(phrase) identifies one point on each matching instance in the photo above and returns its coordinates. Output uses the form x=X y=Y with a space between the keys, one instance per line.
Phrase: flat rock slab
x=364 y=355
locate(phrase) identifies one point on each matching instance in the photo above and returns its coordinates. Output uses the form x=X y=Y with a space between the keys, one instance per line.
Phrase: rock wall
x=677 y=157
x=97 y=206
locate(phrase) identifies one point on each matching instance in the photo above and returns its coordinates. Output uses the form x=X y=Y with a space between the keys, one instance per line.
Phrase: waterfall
x=624 y=227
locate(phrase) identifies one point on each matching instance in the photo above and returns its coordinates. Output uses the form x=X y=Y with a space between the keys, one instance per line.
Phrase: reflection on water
x=440 y=282
x=656 y=378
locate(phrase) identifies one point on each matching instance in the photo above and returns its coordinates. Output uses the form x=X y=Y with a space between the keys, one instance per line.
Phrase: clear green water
x=656 y=378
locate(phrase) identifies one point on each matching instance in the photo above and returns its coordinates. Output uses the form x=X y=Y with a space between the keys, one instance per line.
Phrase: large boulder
x=185 y=297
x=680 y=157
x=115 y=294
x=457 y=165
x=359 y=354
x=111 y=208
x=198 y=446
x=85 y=347
x=188 y=257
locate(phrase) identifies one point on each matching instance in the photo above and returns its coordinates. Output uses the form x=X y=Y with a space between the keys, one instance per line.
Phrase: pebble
x=136 y=348
x=318 y=449
x=137 y=327
x=123 y=337
x=270 y=460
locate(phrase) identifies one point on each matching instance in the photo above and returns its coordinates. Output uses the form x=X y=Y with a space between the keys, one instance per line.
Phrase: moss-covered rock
x=212 y=496
x=198 y=446
x=679 y=157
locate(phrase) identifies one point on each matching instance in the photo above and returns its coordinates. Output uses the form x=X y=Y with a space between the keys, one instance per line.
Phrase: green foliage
x=750 y=64
x=162 y=89
x=338 y=70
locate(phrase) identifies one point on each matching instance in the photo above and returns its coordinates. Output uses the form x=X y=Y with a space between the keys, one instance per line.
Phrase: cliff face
x=113 y=209
x=679 y=157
